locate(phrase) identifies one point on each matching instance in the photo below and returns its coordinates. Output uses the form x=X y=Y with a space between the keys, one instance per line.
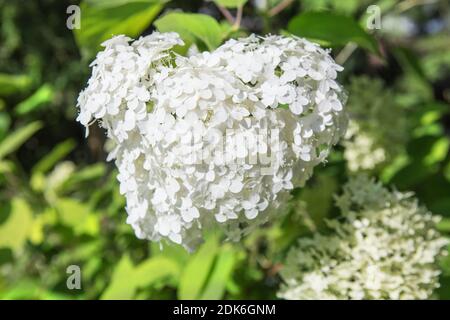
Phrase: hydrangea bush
x=383 y=246
x=178 y=126
x=212 y=138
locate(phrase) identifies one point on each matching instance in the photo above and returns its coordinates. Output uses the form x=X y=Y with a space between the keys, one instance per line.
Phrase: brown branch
x=345 y=53
x=238 y=20
x=280 y=7
x=226 y=13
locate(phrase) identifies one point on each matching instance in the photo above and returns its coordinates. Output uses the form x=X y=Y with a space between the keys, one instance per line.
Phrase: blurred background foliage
x=59 y=199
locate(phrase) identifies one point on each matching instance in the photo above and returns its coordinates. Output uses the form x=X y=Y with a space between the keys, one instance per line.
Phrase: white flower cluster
x=378 y=128
x=361 y=149
x=383 y=247
x=168 y=117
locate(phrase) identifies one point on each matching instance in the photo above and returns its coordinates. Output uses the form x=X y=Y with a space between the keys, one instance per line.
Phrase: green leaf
x=13 y=141
x=398 y=163
x=88 y=173
x=155 y=269
x=221 y=274
x=197 y=270
x=100 y=20
x=42 y=96
x=193 y=28
x=13 y=84
x=31 y=290
x=57 y=153
x=230 y=3
x=15 y=231
x=438 y=152
x=127 y=279
x=335 y=29
x=121 y=286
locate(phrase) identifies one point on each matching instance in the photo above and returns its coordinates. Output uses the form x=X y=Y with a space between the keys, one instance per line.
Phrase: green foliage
x=230 y=3
x=42 y=96
x=103 y=19
x=127 y=278
x=13 y=141
x=220 y=275
x=17 y=228
x=333 y=29
x=197 y=270
x=59 y=152
x=11 y=84
x=193 y=28
x=59 y=200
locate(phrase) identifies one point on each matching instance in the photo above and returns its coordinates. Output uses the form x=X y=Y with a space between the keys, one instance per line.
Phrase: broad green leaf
x=230 y=3
x=155 y=269
x=15 y=231
x=42 y=96
x=334 y=29
x=121 y=286
x=13 y=141
x=215 y=288
x=196 y=272
x=13 y=84
x=430 y=117
x=127 y=278
x=438 y=151
x=57 y=154
x=100 y=20
x=192 y=27
x=394 y=166
x=29 y=289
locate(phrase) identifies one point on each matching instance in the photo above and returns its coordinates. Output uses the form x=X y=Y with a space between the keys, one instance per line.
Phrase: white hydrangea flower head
x=361 y=150
x=378 y=129
x=384 y=246
x=169 y=117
